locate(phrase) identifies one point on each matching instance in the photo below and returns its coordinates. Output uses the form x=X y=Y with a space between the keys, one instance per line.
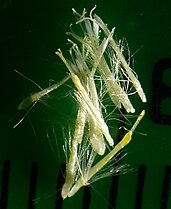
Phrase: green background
x=30 y=32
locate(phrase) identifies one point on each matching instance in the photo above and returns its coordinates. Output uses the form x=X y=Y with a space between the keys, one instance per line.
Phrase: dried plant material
x=92 y=56
x=98 y=70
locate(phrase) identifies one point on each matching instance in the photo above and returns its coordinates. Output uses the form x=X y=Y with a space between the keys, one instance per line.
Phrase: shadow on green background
x=31 y=32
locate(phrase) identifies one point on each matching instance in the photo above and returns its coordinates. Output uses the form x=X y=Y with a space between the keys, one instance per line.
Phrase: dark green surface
x=30 y=33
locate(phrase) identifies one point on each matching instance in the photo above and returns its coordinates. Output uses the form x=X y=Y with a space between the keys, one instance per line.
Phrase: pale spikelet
x=74 y=142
